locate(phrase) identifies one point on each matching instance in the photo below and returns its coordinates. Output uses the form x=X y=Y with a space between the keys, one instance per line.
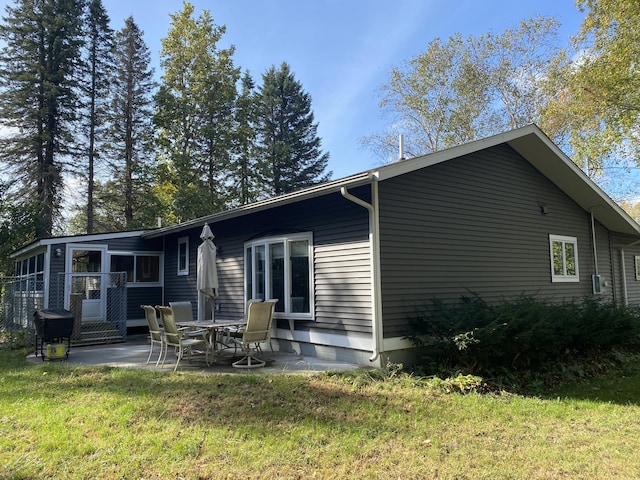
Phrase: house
x=353 y=259
x=103 y=278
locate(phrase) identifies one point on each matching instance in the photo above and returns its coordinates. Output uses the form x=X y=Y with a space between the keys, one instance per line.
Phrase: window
x=31 y=266
x=30 y=272
x=138 y=268
x=279 y=267
x=637 y=264
x=564 y=258
x=183 y=256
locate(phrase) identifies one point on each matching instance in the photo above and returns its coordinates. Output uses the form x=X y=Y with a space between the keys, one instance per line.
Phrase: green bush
x=523 y=334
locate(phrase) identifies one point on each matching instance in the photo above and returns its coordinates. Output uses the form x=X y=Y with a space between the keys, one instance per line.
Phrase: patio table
x=215 y=332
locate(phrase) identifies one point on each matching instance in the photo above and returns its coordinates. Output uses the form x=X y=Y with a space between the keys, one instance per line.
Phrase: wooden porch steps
x=97 y=332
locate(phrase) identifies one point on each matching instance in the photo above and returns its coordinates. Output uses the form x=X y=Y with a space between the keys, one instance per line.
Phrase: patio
x=134 y=351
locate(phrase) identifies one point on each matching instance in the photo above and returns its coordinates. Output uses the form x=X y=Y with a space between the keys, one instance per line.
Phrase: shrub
x=523 y=334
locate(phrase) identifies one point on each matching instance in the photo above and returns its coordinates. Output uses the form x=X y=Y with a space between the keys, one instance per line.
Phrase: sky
x=341 y=51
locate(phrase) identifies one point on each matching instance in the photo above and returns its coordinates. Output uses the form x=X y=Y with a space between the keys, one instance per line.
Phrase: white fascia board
x=96 y=237
x=534 y=146
x=416 y=163
x=305 y=194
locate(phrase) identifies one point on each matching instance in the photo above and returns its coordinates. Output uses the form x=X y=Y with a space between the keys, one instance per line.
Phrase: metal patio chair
x=178 y=337
x=256 y=331
x=156 y=333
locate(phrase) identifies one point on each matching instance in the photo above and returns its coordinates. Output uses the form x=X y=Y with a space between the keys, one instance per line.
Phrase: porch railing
x=98 y=302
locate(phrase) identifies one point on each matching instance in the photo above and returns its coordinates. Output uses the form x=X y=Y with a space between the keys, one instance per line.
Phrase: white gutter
x=374 y=242
x=625 y=293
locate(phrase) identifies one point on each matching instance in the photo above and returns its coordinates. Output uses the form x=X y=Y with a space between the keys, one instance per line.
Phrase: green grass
x=58 y=421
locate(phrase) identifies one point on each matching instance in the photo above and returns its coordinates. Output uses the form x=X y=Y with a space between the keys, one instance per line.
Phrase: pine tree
x=130 y=122
x=99 y=65
x=246 y=175
x=38 y=102
x=289 y=143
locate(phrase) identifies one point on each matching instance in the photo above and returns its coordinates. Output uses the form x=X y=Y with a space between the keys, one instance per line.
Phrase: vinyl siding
x=474 y=225
x=135 y=296
x=630 y=252
x=340 y=229
x=604 y=250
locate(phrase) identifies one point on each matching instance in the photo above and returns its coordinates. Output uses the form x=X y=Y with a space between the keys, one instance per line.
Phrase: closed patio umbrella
x=207 y=280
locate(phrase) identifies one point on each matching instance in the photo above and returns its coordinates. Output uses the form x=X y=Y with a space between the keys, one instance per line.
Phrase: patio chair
x=256 y=331
x=182 y=311
x=156 y=333
x=177 y=337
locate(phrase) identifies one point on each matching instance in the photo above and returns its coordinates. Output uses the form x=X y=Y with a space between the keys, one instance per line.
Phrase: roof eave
x=305 y=194
x=533 y=145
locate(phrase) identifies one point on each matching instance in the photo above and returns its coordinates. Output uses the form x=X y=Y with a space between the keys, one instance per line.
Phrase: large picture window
x=280 y=267
x=564 y=258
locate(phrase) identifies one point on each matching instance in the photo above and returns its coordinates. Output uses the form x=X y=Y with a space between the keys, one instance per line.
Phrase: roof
x=326 y=188
x=90 y=237
x=530 y=142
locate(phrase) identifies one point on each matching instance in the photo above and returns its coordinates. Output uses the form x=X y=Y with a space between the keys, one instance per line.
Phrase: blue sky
x=340 y=50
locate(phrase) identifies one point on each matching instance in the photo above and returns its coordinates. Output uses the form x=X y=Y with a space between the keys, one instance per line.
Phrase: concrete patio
x=134 y=351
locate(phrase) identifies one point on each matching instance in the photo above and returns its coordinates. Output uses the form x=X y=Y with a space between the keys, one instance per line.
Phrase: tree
x=463 y=89
x=15 y=227
x=195 y=114
x=99 y=65
x=289 y=146
x=596 y=102
x=131 y=130
x=38 y=102
x=246 y=174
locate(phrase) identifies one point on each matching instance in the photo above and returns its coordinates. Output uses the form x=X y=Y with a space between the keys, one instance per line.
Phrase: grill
x=52 y=328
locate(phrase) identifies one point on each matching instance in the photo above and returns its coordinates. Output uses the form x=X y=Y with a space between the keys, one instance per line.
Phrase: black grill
x=52 y=326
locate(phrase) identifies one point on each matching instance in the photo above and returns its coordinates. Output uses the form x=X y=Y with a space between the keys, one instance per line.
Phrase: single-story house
x=352 y=260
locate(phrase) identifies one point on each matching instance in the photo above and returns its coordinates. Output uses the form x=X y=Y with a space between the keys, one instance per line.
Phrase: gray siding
x=135 y=296
x=604 y=250
x=474 y=225
x=630 y=252
x=341 y=260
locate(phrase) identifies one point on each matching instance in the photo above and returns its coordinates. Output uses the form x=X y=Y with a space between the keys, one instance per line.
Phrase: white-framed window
x=30 y=272
x=33 y=265
x=637 y=264
x=183 y=256
x=140 y=268
x=281 y=267
x=564 y=258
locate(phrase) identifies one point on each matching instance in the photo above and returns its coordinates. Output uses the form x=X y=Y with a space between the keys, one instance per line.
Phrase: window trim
x=266 y=242
x=183 y=271
x=564 y=278
x=636 y=259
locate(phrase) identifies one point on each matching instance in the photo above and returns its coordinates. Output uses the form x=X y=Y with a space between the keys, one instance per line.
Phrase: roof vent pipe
x=400 y=147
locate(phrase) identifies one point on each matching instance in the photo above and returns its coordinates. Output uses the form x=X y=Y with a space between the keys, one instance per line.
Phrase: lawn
x=58 y=421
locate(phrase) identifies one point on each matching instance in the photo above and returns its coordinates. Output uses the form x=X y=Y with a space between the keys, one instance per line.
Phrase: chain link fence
x=20 y=297
x=98 y=302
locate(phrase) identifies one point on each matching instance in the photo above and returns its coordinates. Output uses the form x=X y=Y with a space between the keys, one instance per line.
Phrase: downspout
x=625 y=294
x=593 y=240
x=374 y=242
